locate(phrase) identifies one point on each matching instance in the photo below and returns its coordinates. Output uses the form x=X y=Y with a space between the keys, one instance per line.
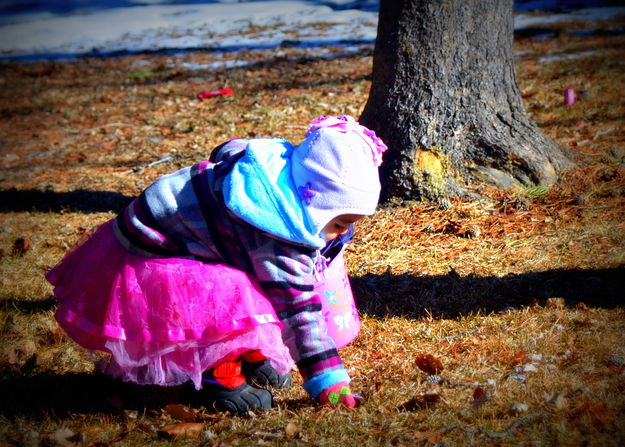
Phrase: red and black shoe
x=227 y=390
x=257 y=369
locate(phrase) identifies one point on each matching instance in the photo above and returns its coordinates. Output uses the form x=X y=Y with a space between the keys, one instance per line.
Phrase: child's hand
x=336 y=395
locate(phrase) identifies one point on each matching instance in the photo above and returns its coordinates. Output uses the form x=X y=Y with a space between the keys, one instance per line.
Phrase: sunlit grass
x=515 y=294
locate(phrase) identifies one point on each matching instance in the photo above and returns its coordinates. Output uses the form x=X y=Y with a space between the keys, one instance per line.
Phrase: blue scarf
x=259 y=189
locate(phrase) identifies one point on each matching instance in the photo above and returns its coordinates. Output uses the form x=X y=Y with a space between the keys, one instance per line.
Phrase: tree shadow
x=286 y=77
x=53 y=57
x=66 y=394
x=29 y=306
x=37 y=396
x=408 y=296
x=84 y=201
x=453 y=295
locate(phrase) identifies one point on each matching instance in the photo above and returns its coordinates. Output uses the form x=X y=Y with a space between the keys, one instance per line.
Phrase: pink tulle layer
x=164 y=320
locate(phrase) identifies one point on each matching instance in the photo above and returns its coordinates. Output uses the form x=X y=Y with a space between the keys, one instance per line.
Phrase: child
x=208 y=275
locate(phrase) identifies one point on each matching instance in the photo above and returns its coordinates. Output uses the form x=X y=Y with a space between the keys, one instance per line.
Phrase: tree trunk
x=444 y=98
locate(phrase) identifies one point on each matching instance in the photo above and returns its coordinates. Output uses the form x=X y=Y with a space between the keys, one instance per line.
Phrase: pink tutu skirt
x=163 y=320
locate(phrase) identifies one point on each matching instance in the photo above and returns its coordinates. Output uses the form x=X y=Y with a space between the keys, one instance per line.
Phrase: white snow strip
x=186 y=26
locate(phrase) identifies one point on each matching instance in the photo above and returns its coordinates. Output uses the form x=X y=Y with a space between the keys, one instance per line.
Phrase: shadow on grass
x=13 y=200
x=63 y=395
x=66 y=394
x=385 y=295
x=452 y=295
x=29 y=306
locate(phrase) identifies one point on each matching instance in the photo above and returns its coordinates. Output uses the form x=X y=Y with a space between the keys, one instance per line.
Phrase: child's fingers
x=349 y=401
x=339 y=395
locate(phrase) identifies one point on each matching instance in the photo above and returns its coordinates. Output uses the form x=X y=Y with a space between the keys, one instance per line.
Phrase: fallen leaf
x=54 y=336
x=422 y=401
x=291 y=429
x=181 y=413
x=478 y=393
x=436 y=438
x=21 y=353
x=480 y=397
x=21 y=246
x=430 y=436
x=146 y=428
x=429 y=364
x=183 y=430
x=593 y=412
x=516 y=359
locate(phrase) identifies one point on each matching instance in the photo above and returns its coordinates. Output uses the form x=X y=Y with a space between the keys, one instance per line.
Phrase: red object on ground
x=213 y=93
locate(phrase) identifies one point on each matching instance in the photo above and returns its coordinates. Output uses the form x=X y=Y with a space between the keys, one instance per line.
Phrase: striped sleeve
x=285 y=274
x=138 y=231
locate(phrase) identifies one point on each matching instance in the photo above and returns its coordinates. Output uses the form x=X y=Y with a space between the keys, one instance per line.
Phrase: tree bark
x=444 y=98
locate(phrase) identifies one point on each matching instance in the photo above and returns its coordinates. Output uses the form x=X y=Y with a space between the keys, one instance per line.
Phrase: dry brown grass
x=519 y=297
